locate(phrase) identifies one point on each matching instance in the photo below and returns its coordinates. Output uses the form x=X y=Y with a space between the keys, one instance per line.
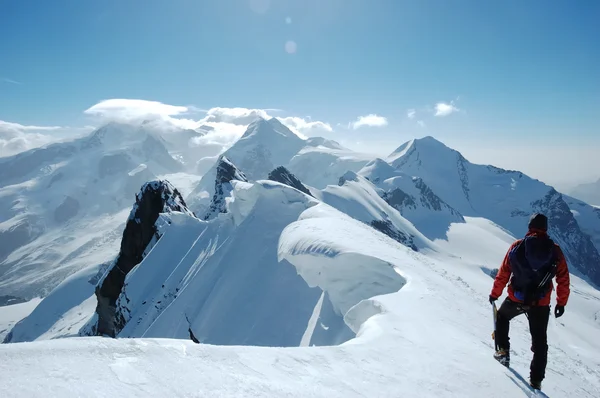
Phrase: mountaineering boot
x=503 y=357
x=536 y=385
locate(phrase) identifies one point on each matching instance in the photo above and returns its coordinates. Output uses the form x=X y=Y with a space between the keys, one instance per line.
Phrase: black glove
x=492 y=299
x=559 y=310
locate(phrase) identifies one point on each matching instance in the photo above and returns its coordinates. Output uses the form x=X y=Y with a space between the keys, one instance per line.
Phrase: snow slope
x=61 y=206
x=412 y=198
x=226 y=292
x=321 y=162
x=431 y=338
x=11 y=314
x=357 y=197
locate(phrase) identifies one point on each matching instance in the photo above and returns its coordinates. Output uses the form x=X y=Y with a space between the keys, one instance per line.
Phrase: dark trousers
x=538 y=325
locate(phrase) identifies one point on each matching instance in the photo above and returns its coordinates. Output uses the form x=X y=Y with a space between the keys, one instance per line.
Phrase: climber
x=530 y=264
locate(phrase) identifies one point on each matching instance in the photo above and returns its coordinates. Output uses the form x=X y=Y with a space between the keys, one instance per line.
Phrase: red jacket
x=562 y=278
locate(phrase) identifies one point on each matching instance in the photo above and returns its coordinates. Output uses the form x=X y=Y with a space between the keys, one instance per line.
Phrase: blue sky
x=517 y=71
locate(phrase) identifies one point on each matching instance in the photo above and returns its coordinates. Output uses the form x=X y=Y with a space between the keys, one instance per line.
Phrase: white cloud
x=137 y=111
x=305 y=125
x=225 y=125
x=237 y=116
x=421 y=123
x=371 y=120
x=411 y=113
x=15 y=137
x=133 y=109
x=444 y=109
x=16 y=127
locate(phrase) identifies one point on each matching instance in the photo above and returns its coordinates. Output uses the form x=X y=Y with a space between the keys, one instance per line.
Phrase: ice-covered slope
x=321 y=162
x=412 y=198
x=505 y=197
x=589 y=193
x=13 y=313
x=430 y=338
x=58 y=204
x=358 y=198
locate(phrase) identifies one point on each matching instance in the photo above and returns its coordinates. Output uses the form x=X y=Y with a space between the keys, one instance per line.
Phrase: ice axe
x=495 y=315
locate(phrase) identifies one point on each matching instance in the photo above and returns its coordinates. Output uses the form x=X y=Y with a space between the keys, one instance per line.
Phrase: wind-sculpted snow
x=316 y=246
x=223 y=295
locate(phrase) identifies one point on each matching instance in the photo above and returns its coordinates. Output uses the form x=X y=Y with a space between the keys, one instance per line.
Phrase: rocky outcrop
x=226 y=172
x=426 y=199
x=140 y=235
x=564 y=229
x=284 y=176
x=386 y=227
x=11 y=300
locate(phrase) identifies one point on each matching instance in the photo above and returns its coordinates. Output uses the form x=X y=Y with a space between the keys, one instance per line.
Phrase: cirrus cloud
x=371 y=120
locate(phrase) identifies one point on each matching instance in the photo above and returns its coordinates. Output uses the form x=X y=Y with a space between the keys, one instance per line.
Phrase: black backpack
x=533 y=262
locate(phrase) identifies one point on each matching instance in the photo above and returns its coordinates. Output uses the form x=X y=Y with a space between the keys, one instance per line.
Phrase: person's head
x=539 y=222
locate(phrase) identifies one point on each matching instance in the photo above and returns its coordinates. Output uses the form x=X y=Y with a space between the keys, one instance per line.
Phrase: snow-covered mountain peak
x=324 y=142
x=265 y=145
x=263 y=129
x=378 y=170
x=423 y=149
x=114 y=135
